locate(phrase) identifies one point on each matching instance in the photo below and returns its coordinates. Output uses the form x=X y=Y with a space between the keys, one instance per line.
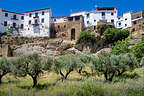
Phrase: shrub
x=86 y=37
x=138 y=50
x=113 y=34
x=120 y=47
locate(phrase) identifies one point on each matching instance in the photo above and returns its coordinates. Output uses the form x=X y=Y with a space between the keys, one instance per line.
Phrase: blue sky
x=64 y=7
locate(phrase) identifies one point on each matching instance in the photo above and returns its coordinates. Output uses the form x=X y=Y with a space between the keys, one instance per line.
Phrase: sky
x=65 y=7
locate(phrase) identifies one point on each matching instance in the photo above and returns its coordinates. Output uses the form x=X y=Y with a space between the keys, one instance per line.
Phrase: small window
x=94 y=27
x=103 y=13
x=119 y=18
x=22 y=26
x=112 y=13
x=29 y=21
x=6 y=14
x=54 y=20
x=14 y=16
x=94 y=20
x=88 y=15
x=88 y=22
x=43 y=13
x=22 y=17
x=36 y=21
x=119 y=24
x=125 y=25
x=5 y=23
x=125 y=18
x=30 y=15
x=64 y=26
x=28 y=28
x=134 y=22
x=36 y=14
x=58 y=26
x=14 y=24
x=112 y=21
x=42 y=20
x=133 y=29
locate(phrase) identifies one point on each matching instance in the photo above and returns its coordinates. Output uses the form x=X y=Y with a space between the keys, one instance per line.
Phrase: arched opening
x=73 y=34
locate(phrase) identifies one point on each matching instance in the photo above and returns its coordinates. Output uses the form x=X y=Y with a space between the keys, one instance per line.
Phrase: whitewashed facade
x=124 y=21
x=108 y=14
x=11 y=20
x=37 y=22
x=60 y=19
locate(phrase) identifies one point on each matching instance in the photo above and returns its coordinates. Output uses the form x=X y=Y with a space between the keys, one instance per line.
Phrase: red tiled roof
x=37 y=10
x=12 y=12
x=105 y=8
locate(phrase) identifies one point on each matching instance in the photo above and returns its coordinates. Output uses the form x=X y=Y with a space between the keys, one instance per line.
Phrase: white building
x=37 y=22
x=11 y=20
x=60 y=19
x=108 y=14
x=124 y=21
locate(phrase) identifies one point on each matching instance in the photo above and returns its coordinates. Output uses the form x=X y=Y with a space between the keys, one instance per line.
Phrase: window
x=14 y=16
x=30 y=15
x=87 y=22
x=64 y=26
x=14 y=24
x=5 y=23
x=43 y=13
x=22 y=26
x=88 y=15
x=103 y=13
x=58 y=26
x=134 y=22
x=94 y=20
x=112 y=21
x=94 y=27
x=36 y=14
x=22 y=17
x=42 y=20
x=125 y=18
x=125 y=25
x=28 y=28
x=119 y=24
x=54 y=20
x=29 y=21
x=36 y=21
x=6 y=14
x=112 y=13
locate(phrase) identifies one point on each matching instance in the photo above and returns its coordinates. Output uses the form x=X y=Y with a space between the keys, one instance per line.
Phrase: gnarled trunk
x=34 y=81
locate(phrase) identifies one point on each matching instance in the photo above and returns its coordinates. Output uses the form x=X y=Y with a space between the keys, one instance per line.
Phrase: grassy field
x=75 y=86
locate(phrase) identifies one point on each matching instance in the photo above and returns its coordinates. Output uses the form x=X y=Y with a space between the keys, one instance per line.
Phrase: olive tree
x=127 y=62
x=65 y=64
x=111 y=65
x=5 y=66
x=31 y=65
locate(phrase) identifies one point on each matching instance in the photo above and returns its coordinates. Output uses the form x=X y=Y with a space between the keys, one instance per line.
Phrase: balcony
x=36 y=17
x=14 y=19
x=36 y=24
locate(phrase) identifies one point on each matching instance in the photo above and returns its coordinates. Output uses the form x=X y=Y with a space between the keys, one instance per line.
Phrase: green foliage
x=31 y=65
x=9 y=31
x=5 y=66
x=68 y=63
x=102 y=27
x=138 y=49
x=114 y=64
x=86 y=37
x=113 y=34
x=121 y=47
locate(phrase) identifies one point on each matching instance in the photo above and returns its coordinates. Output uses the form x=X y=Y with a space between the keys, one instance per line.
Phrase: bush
x=113 y=34
x=138 y=50
x=86 y=37
x=120 y=47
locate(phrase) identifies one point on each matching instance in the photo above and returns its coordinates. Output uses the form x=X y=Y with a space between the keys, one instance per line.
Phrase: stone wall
x=137 y=27
x=4 y=50
x=68 y=30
